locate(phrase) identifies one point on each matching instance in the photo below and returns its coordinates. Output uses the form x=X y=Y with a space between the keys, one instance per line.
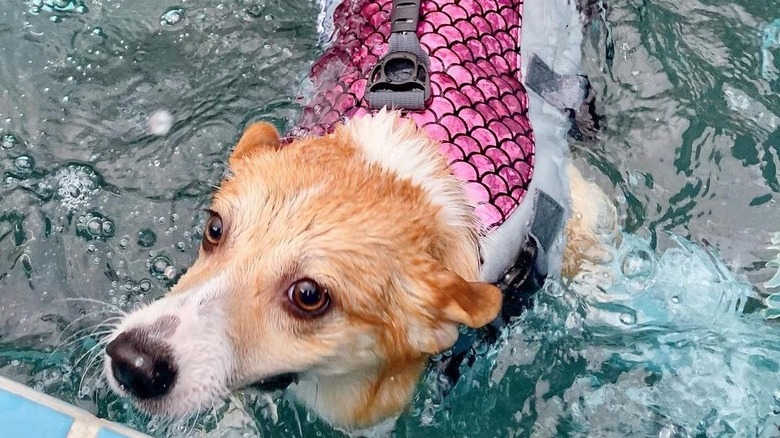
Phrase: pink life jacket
x=479 y=108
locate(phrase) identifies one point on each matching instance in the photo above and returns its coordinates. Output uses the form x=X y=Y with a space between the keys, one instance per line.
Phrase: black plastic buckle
x=400 y=80
x=521 y=281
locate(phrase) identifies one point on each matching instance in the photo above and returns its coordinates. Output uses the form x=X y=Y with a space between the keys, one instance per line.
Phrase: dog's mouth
x=278 y=382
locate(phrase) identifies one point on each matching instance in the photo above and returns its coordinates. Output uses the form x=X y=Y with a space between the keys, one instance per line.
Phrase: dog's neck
x=361 y=399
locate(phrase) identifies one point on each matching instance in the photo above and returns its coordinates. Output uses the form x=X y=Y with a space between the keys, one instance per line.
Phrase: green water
x=92 y=207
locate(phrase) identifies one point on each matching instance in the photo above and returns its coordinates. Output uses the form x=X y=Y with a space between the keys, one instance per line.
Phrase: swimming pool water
x=666 y=341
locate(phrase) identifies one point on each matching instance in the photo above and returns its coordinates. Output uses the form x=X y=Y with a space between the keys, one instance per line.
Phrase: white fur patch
x=200 y=345
x=398 y=146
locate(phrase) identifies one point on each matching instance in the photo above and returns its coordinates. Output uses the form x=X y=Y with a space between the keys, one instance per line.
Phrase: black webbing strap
x=519 y=284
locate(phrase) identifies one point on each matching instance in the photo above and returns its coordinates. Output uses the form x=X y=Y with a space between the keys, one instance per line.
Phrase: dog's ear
x=450 y=301
x=257 y=137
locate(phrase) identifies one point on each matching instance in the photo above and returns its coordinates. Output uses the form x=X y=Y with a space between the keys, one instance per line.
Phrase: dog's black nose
x=143 y=367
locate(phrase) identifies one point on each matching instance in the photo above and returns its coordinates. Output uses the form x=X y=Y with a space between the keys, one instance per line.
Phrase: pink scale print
x=479 y=108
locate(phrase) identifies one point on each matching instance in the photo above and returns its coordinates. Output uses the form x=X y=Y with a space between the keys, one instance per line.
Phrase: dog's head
x=346 y=260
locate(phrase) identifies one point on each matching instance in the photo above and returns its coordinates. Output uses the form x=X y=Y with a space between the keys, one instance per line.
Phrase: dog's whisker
x=102 y=334
x=73 y=345
x=92 y=361
x=104 y=322
x=75 y=321
x=84 y=333
x=88 y=332
x=116 y=308
x=94 y=354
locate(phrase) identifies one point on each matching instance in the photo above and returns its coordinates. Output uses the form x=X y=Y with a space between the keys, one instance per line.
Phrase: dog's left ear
x=257 y=137
x=453 y=301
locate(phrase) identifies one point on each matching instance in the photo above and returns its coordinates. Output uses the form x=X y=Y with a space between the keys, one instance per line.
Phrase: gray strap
x=408 y=42
x=413 y=100
x=405 y=16
x=547 y=224
x=401 y=79
x=561 y=91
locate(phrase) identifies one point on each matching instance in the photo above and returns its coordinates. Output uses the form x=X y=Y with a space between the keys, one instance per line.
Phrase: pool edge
x=84 y=424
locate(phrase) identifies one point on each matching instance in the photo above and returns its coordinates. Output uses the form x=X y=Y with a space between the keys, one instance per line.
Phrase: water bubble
x=24 y=164
x=160 y=265
x=8 y=141
x=771 y=313
x=637 y=264
x=107 y=228
x=159 y=122
x=75 y=186
x=146 y=238
x=145 y=285
x=627 y=318
x=676 y=299
x=180 y=246
x=94 y=226
x=56 y=5
x=254 y=11
x=554 y=289
x=773 y=300
x=124 y=241
x=172 y=16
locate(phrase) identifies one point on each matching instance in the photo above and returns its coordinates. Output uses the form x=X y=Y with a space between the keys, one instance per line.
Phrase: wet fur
x=395 y=244
x=373 y=213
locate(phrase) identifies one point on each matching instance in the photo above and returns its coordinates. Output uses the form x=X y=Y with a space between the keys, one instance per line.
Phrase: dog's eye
x=309 y=298
x=212 y=235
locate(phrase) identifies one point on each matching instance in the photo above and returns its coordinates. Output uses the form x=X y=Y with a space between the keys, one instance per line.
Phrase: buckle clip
x=400 y=80
x=526 y=276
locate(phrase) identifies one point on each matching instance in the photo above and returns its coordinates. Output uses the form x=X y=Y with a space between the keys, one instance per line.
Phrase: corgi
x=329 y=260
x=340 y=261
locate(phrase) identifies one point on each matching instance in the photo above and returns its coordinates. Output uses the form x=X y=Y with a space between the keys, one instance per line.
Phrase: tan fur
x=401 y=278
x=256 y=137
x=393 y=240
x=592 y=228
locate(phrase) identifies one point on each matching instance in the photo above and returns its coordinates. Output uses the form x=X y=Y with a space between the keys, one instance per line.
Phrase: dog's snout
x=143 y=367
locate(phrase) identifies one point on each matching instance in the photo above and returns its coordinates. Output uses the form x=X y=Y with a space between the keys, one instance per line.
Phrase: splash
x=774 y=281
x=646 y=345
x=772 y=302
x=76 y=185
x=770 y=40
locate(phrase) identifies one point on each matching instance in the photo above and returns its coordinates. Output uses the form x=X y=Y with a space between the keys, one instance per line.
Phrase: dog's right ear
x=447 y=300
x=257 y=137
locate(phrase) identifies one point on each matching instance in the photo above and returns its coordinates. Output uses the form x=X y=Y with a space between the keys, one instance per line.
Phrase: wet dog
x=345 y=259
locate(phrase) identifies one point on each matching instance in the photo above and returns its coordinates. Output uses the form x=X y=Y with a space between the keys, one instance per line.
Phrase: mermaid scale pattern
x=479 y=108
